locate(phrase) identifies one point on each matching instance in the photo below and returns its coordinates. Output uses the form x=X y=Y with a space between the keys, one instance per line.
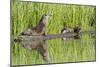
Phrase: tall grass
x=27 y=14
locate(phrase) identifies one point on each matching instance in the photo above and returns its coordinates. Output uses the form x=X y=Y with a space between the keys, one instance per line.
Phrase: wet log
x=51 y=36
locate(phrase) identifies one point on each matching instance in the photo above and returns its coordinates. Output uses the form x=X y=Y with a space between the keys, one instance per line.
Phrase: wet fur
x=40 y=45
x=40 y=29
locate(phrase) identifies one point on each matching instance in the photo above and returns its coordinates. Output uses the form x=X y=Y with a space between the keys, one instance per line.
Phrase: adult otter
x=39 y=45
x=40 y=29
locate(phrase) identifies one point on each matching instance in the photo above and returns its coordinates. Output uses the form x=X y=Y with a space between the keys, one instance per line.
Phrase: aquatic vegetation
x=27 y=14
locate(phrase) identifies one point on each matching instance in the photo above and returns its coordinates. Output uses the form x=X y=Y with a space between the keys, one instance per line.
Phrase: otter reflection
x=39 y=45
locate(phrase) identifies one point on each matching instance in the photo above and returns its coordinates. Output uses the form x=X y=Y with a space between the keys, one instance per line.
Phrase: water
x=72 y=50
x=27 y=14
x=59 y=51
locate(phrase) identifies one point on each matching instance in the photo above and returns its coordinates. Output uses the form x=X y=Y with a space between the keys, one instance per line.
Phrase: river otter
x=65 y=30
x=77 y=31
x=74 y=30
x=40 y=29
x=39 y=45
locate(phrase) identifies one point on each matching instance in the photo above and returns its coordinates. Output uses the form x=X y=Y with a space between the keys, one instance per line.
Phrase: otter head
x=45 y=19
x=46 y=16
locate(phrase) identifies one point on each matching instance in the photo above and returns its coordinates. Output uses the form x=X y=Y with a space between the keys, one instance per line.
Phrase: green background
x=28 y=14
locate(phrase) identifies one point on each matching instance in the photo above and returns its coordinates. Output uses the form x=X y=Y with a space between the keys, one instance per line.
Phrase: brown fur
x=40 y=29
x=39 y=45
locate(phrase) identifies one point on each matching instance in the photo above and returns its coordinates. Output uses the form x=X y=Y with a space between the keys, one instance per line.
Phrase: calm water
x=70 y=50
x=27 y=14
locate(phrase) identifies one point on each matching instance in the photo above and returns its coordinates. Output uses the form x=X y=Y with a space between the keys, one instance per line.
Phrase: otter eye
x=45 y=15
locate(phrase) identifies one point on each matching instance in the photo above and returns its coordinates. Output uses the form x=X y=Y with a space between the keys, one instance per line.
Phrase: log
x=51 y=36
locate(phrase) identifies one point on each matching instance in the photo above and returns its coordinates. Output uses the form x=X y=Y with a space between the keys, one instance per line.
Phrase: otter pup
x=65 y=30
x=40 y=29
x=77 y=31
